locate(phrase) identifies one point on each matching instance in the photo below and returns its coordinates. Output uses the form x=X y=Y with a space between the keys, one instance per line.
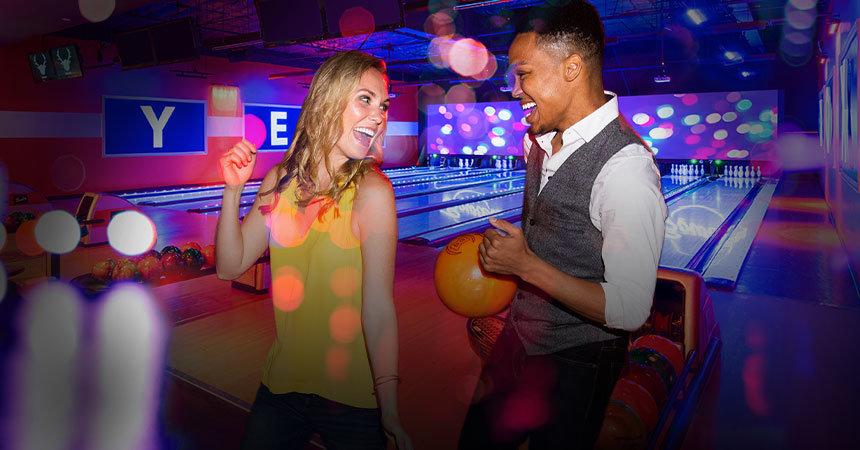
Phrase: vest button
x=531 y=221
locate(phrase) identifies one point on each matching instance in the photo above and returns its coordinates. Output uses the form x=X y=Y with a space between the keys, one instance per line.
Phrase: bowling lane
x=172 y=194
x=179 y=201
x=696 y=215
x=206 y=200
x=403 y=191
x=160 y=197
x=669 y=184
x=446 y=217
x=413 y=205
x=399 y=173
x=444 y=175
x=442 y=236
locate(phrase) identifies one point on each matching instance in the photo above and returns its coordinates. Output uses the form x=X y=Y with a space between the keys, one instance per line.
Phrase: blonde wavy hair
x=320 y=126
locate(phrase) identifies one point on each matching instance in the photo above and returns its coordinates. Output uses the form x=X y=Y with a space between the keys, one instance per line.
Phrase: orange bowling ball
x=464 y=286
x=25 y=239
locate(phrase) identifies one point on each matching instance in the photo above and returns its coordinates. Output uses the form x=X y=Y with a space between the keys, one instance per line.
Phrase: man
x=593 y=222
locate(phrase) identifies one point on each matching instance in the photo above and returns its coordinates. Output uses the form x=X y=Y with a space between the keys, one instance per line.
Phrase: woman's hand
x=394 y=429
x=237 y=164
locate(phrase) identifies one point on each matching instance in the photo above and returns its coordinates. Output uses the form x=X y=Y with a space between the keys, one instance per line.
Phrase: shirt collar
x=587 y=128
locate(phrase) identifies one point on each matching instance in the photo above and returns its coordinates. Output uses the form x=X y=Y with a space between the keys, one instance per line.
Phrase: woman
x=327 y=216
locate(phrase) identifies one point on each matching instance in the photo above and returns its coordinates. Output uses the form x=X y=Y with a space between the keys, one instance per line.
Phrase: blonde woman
x=327 y=216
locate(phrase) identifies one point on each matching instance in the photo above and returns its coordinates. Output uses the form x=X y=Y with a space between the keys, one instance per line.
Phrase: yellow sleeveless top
x=316 y=291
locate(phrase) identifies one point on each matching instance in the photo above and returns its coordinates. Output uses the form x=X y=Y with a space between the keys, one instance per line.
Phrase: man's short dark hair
x=572 y=26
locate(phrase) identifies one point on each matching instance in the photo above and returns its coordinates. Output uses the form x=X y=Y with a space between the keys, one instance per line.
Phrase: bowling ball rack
x=683 y=313
x=91 y=286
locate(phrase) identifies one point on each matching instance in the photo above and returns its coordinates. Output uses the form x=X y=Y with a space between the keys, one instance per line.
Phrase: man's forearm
x=583 y=297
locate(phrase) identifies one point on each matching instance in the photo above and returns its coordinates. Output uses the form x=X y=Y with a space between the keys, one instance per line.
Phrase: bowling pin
x=758 y=172
x=747 y=172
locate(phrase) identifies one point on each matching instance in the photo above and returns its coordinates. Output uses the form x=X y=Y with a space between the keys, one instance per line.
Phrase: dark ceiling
x=642 y=35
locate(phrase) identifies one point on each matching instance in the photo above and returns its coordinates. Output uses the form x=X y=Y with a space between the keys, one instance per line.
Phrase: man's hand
x=504 y=249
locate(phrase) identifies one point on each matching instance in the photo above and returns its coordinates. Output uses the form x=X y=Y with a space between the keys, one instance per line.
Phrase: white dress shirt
x=627 y=207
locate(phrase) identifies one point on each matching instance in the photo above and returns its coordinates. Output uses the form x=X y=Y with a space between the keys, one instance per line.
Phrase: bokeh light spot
x=131 y=233
x=642 y=119
x=58 y=232
x=96 y=10
x=440 y=23
x=665 y=111
x=460 y=93
x=255 y=130
x=53 y=321
x=68 y=173
x=744 y=105
x=25 y=239
x=439 y=50
x=355 y=21
x=345 y=281
x=344 y=324
x=468 y=57
x=337 y=363
x=800 y=19
x=660 y=133
x=489 y=69
x=290 y=225
x=689 y=99
x=288 y=289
